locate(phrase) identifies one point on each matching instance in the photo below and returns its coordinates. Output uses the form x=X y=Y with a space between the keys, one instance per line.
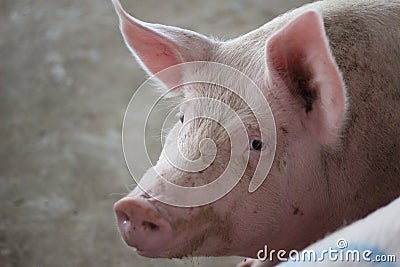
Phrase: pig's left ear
x=300 y=61
x=157 y=47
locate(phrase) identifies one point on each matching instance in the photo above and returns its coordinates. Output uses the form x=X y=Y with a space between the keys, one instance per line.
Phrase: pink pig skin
x=330 y=72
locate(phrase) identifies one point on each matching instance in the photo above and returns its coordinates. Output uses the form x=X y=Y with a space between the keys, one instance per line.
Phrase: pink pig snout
x=142 y=226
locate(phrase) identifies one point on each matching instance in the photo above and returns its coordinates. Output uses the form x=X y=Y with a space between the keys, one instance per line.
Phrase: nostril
x=152 y=226
x=122 y=217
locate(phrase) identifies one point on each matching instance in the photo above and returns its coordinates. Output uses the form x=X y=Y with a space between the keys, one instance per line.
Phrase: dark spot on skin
x=357 y=197
x=297 y=211
x=255 y=212
x=284 y=130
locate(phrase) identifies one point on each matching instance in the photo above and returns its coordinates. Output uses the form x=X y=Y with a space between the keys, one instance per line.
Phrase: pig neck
x=310 y=207
x=327 y=189
x=338 y=192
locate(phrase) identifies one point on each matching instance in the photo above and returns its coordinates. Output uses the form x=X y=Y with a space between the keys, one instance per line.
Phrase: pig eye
x=257 y=144
x=182 y=117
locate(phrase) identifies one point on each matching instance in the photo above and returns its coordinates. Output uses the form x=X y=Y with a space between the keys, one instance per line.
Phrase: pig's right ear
x=157 y=47
x=302 y=68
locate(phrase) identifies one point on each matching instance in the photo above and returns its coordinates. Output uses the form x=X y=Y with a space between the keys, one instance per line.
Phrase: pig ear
x=299 y=60
x=157 y=47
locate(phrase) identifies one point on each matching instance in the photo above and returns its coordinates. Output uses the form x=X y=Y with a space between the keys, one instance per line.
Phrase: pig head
x=331 y=165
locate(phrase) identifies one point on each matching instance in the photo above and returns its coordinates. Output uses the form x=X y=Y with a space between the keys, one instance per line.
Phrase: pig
x=329 y=72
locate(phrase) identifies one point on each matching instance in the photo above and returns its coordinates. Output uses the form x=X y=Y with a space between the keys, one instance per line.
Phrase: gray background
x=65 y=81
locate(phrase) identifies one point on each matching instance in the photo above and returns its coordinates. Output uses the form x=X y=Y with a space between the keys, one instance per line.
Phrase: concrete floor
x=65 y=81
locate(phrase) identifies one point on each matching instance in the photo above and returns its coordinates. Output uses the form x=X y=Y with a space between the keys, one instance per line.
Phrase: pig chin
x=201 y=232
